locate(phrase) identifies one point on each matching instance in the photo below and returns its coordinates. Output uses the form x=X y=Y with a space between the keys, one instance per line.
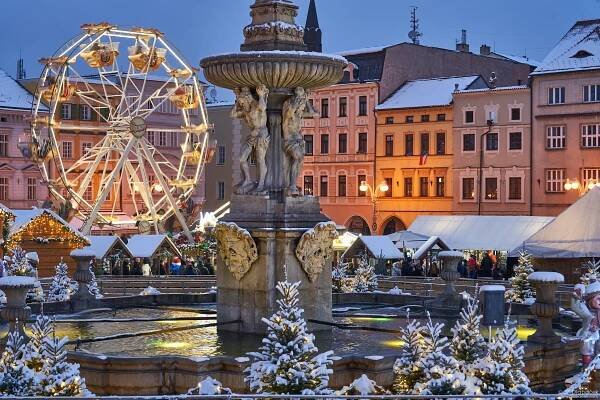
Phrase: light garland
x=46 y=227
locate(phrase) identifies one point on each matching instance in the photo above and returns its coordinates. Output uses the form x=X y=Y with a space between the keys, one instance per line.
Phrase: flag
x=423 y=158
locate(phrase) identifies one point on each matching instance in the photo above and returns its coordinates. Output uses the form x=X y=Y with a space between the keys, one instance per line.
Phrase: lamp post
x=490 y=123
x=572 y=185
x=381 y=188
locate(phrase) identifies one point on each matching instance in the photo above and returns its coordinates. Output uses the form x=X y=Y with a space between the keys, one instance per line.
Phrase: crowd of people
x=172 y=266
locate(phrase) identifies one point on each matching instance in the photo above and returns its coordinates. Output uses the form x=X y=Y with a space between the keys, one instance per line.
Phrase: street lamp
x=381 y=188
x=572 y=185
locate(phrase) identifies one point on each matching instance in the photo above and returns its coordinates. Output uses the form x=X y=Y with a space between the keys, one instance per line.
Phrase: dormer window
x=582 y=54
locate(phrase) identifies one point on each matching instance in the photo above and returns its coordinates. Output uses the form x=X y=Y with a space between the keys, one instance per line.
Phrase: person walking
x=146 y=270
x=472 y=267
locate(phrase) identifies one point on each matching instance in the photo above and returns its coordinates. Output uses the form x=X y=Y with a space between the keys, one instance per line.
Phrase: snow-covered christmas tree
x=20 y=265
x=521 y=290
x=468 y=345
x=62 y=287
x=93 y=285
x=590 y=271
x=17 y=378
x=365 y=279
x=288 y=361
x=340 y=281
x=406 y=371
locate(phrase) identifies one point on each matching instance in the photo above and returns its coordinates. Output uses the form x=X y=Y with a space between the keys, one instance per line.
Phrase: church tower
x=312 y=31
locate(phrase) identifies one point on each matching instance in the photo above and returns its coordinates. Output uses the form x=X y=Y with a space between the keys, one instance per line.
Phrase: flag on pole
x=423 y=158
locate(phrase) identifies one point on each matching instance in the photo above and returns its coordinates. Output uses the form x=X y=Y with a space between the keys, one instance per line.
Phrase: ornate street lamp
x=381 y=188
x=572 y=185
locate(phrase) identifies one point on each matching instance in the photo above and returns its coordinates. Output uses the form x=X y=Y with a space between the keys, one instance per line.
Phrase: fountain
x=271 y=224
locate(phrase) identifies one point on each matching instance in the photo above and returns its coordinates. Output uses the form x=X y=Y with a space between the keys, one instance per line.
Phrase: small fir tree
x=61 y=378
x=20 y=265
x=406 y=370
x=288 y=361
x=468 y=345
x=521 y=289
x=365 y=279
x=62 y=287
x=340 y=282
x=590 y=270
x=93 y=285
x=36 y=348
x=17 y=378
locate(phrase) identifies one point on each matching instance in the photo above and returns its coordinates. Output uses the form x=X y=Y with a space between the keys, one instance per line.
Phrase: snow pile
x=40 y=367
x=62 y=287
x=288 y=361
x=395 y=290
x=362 y=386
x=520 y=287
x=209 y=387
x=549 y=277
x=149 y=291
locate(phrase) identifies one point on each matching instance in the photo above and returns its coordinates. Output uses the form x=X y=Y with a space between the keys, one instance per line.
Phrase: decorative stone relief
x=236 y=248
x=316 y=248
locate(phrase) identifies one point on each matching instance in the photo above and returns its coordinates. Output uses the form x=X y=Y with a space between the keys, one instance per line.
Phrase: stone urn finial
x=545 y=306
x=82 y=276
x=449 y=272
x=16 y=311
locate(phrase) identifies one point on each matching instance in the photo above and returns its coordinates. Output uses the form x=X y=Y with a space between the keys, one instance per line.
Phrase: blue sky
x=203 y=27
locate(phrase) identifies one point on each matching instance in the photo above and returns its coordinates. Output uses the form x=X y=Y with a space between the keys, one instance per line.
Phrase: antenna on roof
x=414 y=34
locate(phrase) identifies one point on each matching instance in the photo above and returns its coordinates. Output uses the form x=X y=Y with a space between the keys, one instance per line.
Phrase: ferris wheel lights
x=158 y=187
x=96 y=28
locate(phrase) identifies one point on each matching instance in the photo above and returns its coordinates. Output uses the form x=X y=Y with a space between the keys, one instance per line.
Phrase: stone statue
x=294 y=110
x=315 y=249
x=254 y=114
x=236 y=248
x=585 y=302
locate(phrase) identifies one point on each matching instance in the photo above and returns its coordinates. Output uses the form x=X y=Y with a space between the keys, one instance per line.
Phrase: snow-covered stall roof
x=101 y=246
x=376 y=246
x=408 y=239
x=6 y=210
x=13 y=95
x=343 y=241
x=432 y=242
x=146 y=246
x=428 y=92
x=24 y=218
x=575 y=233
x=578 y=50
x=480 y=232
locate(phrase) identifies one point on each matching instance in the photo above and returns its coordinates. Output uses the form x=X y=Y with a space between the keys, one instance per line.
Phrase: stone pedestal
x=16 y=312
x=276 y=228
x=82 y=298
x=545 y=306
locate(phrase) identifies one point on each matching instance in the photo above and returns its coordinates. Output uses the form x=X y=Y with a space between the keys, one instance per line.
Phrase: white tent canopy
x=376 y=246
x=408 y=239
x=477 y=232
x=575 y=233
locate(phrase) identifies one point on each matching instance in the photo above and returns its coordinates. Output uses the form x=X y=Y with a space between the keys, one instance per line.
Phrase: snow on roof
x=220 y=104
x=377 y=246
x=480 y=232
x=519 y=59
x=6 y=210
x=99 y=246
x=364 y=50
x=428 y=245
x=578 y=50
x=496 y=89
x=144 y=246
x=427 y=92
x=24 y=217
x=12 y=94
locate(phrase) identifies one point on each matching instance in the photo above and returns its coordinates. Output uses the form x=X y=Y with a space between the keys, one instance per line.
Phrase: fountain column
x=273 y=226
x=545 y=307
x=82 y=298
x=16 y=311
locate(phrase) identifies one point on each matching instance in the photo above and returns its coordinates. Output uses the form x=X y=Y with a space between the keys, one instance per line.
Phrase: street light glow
x=383 y=186
x=363 y=186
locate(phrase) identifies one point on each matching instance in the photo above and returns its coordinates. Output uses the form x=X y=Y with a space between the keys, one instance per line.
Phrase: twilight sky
x=203 y=27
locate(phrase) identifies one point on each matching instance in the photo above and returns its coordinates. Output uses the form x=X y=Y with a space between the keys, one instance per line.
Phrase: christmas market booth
x=46 y=233
x=109 y=253
x=155 y=248
x=6 y=219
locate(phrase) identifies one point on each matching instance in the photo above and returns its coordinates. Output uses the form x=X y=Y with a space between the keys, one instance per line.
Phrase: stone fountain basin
x=275 y=69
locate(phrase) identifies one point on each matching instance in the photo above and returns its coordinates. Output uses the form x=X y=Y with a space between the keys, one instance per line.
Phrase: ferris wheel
x=144 y=105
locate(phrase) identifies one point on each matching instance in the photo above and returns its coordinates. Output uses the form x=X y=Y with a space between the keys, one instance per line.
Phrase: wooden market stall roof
x=101 y=246
x=148 y=246
x=376 y=246
x=43 y=224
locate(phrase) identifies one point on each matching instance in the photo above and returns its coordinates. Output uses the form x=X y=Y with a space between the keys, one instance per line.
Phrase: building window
x=515 y=114
x=514 y=188
x=308 y=145
x=555 y=180
x=362 y=142
x=361 y=179
x=441 y=117
x=325 y=144
x=325 y=108
x=31 y=188
x=221 y=156
x=423 y=186
x=388 y=182
x=468 y=142
x=162 y=139
x=439 y=186
x=409 y=119
x=590 y=135
x=425 y=118
x=67 y=150
x=3 y=188
x=362 y=107
x=220 y=190
x=469 y=117
x=308 y=185
x=555 y=137
x=342 y=185
x=424 y=143
x=65 y=111
x=409 y=144
x=343 y=143
x=389 y=120
x=491 y=141
x=3 y=144
x=408 y=187
x=440 y=143
x=150 y=137
x=556 y=95
x=85 y=113
x=491 y=188
x=323 y=188
x=492 y=116
x=343 y=107
x=590 y=175
x=468 y=188
x=591 y=93
x=174 y=140
x=389 y=145
x=86 y=147
x=515 y=141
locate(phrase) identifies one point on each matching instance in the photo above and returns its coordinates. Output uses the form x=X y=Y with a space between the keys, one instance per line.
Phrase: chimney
x=463 y=46
x=485 y=50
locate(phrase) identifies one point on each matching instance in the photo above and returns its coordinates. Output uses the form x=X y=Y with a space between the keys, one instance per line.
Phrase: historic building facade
x=566 y=120
x=492 y=151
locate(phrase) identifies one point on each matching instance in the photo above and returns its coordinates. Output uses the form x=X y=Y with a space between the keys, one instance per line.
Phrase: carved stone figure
x=253 y=112
x=585 y=302
x=295 y=109
x=236 y=248
x=315 y=248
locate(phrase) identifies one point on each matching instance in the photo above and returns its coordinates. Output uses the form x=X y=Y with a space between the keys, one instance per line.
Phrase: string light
x=46 y=226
